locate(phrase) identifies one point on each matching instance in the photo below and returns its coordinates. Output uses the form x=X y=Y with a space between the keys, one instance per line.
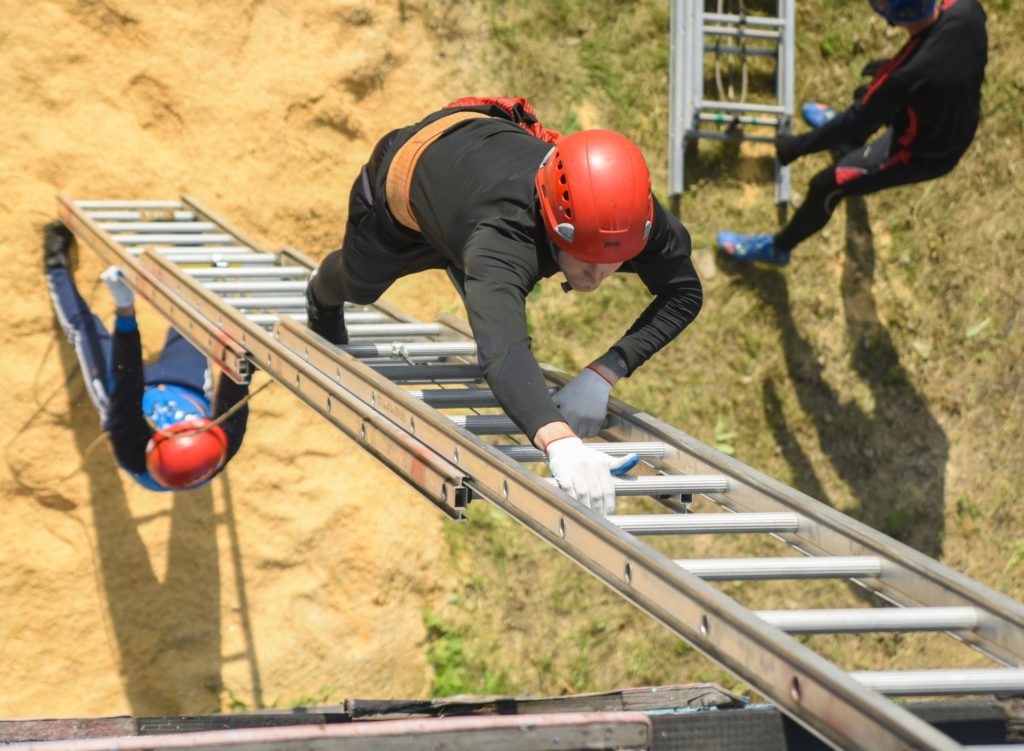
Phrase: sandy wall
x=301 y=573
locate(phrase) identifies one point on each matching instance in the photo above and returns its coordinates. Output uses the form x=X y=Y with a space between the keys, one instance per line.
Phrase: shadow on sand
x=167 y=633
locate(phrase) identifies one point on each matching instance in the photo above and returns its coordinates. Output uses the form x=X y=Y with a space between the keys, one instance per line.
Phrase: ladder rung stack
x=411 y=393
x=700 y=36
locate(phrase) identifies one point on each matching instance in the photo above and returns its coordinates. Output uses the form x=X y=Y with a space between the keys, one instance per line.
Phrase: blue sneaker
x=817 y=114
x=751 y=247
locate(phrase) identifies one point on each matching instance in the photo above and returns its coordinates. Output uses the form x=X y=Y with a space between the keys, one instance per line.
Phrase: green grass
x=880 y=372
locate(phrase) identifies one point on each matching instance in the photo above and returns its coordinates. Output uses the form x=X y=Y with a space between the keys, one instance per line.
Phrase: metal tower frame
x=696 y=32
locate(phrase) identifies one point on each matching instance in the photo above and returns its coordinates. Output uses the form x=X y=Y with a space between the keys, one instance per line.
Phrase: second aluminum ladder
x=699 y=36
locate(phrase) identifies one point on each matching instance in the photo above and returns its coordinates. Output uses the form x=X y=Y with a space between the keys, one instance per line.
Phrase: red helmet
x=595 y=196
x=186 y=453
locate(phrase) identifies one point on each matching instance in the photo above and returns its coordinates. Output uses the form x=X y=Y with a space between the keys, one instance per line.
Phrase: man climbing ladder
x=928 y=97
x=479 y=188
x=158 y=417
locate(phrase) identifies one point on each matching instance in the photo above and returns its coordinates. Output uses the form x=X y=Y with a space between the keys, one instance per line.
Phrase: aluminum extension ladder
x=408 y=391
x=696 y=33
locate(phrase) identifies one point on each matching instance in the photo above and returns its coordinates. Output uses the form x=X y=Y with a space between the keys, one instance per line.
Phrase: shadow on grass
x=894 y=458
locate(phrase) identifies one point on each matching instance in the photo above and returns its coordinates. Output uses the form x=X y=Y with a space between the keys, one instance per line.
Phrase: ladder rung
x=764 y=109
x=277 y=273
x=270 y=319
x=353 y=317
x=365 y=316
x=943 y=682
x=249 y=259
x=723 y=119
x=295 y=302
x=186 y=239
x=711 y=135
x=238 y=288
x=659 y=485
x=124 y=216
x=775 y=23
x=227 y=251
x=643 y=449
x=823 y=567
x=409 y=329
x=128 y=204
x=739 y=31
x=867 y=620
x=162 y=227
x=401 y=350
x=666 y=485
x=486 y=424
x=446 y=373
x=455 y=398
x=728 y=49
x=706 y=524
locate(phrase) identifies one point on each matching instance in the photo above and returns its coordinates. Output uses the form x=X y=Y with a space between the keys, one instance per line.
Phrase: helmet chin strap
x=566 y=286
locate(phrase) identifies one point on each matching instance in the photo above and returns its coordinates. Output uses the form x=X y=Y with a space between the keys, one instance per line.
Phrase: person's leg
x=374 y=253
x=182 y=364
x=823 y=193
x=864 y=170
x=86 y=334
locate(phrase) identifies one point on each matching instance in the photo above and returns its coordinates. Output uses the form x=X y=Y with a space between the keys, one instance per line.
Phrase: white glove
x=584 y=402
x=586 y=474
x=123 y=296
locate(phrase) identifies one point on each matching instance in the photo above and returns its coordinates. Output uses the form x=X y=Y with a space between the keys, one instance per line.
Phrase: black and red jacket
x=929 y=93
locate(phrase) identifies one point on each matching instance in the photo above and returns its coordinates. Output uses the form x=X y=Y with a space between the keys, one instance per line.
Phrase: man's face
x=584 y=276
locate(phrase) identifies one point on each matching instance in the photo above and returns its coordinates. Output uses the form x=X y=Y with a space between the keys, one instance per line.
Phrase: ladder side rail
x=436 y=478
x=813 y=690
x=696 y=54
x=786 y=80
x=677 y=99
x=212 y=341
x=909 y=578
x=202 y=213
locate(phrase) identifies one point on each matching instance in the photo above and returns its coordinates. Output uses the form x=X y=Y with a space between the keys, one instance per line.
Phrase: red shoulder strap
x=519 y=109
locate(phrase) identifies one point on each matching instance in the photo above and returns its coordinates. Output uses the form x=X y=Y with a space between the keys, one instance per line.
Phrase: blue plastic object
x=628 y=462
x=817 y=114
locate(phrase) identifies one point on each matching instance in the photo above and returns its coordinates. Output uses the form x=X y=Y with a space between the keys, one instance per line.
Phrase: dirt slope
x=307 y=561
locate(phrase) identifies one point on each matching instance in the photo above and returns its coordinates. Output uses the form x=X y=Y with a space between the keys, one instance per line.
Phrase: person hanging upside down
x=928 y=99
x=482 y=189
x=159 y=416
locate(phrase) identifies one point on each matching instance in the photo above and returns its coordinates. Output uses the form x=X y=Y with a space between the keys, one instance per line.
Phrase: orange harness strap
x=399 y=179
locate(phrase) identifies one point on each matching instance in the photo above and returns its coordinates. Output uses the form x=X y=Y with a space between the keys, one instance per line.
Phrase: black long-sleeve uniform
x=126 y=424
x=473 y=195
x=929 y=93
x=929 y=99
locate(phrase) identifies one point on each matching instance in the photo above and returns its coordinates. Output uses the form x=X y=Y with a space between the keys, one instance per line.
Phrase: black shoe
x=786 y=148
x=57 y=242
x=327 y=322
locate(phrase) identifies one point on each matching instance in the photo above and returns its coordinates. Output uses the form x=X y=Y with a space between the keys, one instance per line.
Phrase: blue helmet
x=903 y=11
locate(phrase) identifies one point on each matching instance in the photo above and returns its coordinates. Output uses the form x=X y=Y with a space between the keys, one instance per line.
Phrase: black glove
x=787 y=148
